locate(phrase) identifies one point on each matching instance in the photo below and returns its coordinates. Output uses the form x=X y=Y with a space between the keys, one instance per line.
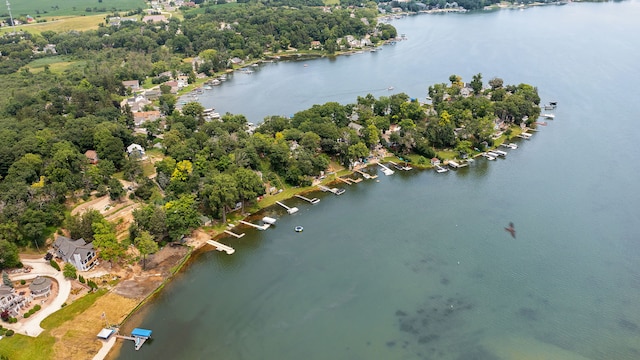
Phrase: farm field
x=61 y=24
x=68 y=7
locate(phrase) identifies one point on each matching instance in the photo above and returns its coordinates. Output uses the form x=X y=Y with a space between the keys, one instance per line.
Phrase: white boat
x=390 y=88
x=207 y=87
x=512 y=146
x=548 y=116
x=441 y=169
x=268 y=220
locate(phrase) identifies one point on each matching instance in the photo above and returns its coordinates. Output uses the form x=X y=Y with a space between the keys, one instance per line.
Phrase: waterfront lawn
x=21 y=347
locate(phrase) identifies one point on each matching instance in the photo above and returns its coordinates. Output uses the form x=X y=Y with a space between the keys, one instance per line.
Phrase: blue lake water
x=418 y=265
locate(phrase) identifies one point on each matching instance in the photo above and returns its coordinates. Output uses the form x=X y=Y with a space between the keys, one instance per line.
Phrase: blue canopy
x=137 y=332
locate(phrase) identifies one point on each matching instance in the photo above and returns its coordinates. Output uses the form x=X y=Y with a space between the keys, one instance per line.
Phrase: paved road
x=41 y=267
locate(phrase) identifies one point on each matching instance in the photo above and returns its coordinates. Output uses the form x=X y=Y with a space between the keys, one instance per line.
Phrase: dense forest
x=48 y=120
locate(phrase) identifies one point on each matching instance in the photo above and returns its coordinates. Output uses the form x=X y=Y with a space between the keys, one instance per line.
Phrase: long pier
x=237 y=236
x=259 y=227
x=290 y=210
x=313 y=201
x=221 y=247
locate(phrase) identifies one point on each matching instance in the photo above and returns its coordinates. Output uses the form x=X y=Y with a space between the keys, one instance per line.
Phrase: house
x=435 y=161
x=315 y=45
x=11 y=302
x=357 y=127
x=142 y=117
x=236 y=61
x=40 y=287
x=76 y=252
x=135 y=150
x=92 y=156
x=152 y=94
x=133 y=85
x=173 y=85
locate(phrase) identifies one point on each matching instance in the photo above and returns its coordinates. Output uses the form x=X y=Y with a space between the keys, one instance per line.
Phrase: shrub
x=81 y=279
x=13 y=320
x=54 y=264
x=22 y=282
x=26 y=315
x=92 y=284
x=37 y=307
x=9 y=333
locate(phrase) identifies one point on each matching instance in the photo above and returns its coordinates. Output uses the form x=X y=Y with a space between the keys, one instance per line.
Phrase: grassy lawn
x=19 y=347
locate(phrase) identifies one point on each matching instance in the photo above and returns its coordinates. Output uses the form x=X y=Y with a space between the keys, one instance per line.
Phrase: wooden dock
x=237 y=236
x=221 y=247
x=400 y=167
x=335 y=191
x=313 y=201
x=457 y=165
x=365 y=175
x=290 y=210
x=259 y=227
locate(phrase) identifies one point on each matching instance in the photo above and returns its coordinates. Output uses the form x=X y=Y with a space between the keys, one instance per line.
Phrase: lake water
x=418 y=265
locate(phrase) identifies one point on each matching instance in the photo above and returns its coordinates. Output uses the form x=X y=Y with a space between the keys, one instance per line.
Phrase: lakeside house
x=11 y=301
x=435 y=161
x=76 y=252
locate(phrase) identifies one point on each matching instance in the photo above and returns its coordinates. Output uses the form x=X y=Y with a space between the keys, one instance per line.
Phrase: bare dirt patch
x=138 y=284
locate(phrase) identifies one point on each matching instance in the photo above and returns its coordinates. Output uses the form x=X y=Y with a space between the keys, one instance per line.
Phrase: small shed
x=435 y=161
x=105 y=334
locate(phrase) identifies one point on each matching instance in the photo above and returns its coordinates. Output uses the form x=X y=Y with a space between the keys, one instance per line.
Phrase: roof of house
x=67 y=247
x=133 y=147
x=5 y=291
x=91 y=154
x=40 y=283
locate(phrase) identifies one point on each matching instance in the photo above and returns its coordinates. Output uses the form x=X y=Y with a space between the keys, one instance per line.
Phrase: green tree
x=6 y=280
x=221 y=194
x=357 y=151
x=181 y=216
x=476 y=84
x=69 y=271
x=248 y=184
x=145 y=245
x=81 y=226
x=105 y=240
x=9 y=257
x=116 y=191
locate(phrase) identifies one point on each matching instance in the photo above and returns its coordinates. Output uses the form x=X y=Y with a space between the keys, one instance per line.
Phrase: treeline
x=246 y=32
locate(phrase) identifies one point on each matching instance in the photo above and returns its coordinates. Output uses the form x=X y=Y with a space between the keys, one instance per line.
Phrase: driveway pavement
x=41 y=267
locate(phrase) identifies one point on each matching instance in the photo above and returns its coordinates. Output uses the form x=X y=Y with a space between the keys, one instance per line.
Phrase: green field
x=56 y=64
x=37 y=8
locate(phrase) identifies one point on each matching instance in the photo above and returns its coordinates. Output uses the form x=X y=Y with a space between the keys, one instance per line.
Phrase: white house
x=135 y=150
x=10 y=301
x=76 y=252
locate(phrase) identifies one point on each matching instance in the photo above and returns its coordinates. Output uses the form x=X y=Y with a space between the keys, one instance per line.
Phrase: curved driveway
x=41 y=267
